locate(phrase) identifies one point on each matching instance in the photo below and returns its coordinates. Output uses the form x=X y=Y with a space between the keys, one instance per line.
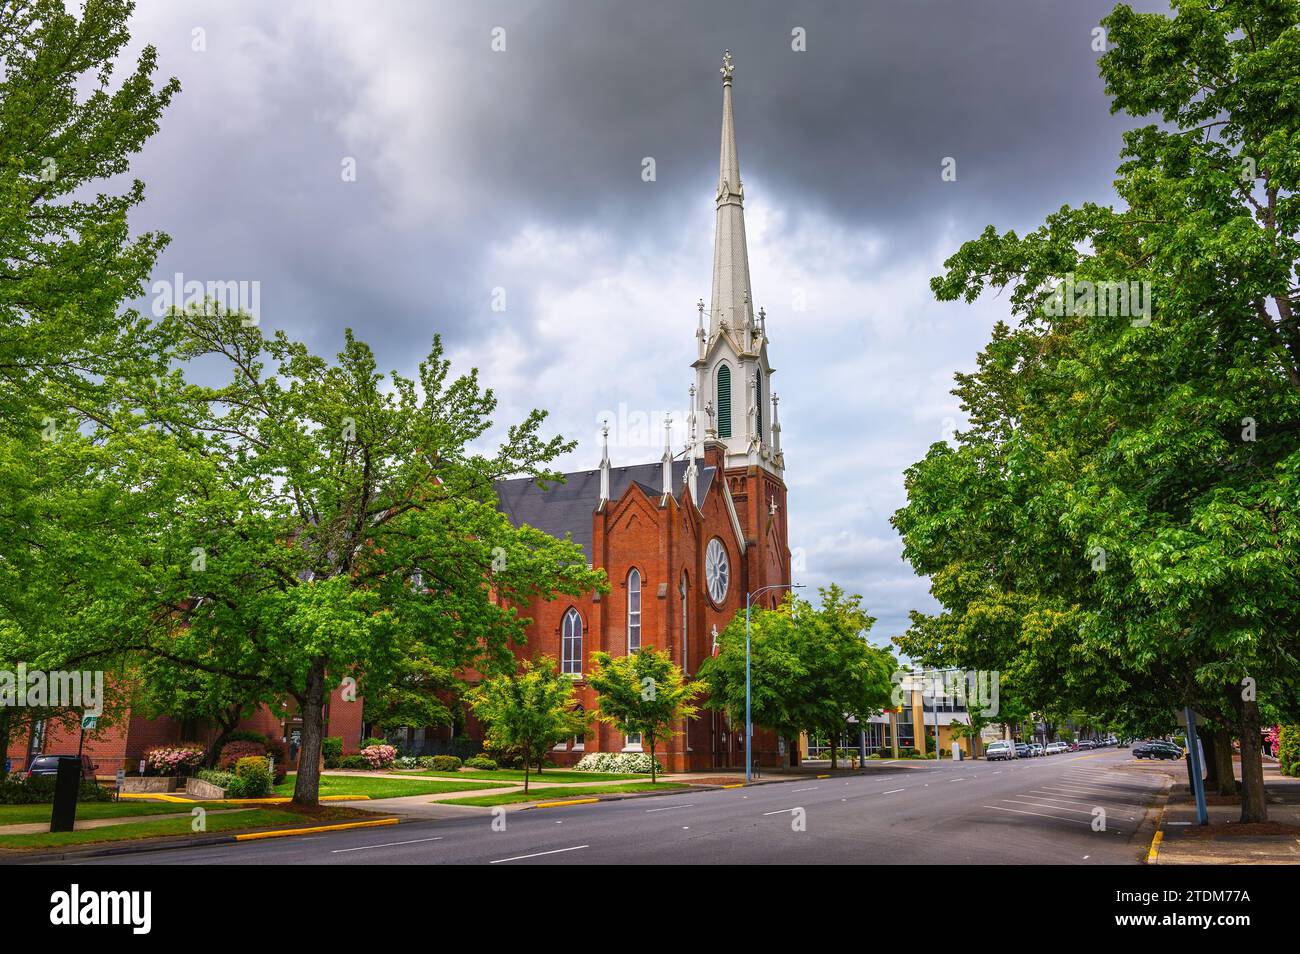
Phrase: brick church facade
x=684 y=539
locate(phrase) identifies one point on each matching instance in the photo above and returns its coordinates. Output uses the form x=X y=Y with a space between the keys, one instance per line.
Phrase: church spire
x=730 y=303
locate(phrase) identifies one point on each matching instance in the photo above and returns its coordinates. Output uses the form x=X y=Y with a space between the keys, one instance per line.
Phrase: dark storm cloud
x=460 y=150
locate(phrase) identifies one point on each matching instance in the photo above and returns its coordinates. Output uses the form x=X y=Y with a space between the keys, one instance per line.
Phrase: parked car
x=1157 y=749
x=1038 y=747
x=999 y=751
x=49 y=765
x=1023 y=751
x=1056 y=748
x=1083 y=744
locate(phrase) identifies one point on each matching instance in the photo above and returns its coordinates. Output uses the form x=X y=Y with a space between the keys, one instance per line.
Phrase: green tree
x=530 y=711
x=1118 y=522
x=811 y=668
x=643 y=694
x=69 y=259
x=295 y=527
x=69 y=264
x=413 y=694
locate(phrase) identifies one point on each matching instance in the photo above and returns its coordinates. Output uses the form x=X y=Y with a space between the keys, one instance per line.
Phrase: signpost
x=1197 y=758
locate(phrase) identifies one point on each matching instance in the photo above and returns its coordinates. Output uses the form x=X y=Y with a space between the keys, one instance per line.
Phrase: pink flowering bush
x=379 y=756
x=232 y=752
x=173 y=759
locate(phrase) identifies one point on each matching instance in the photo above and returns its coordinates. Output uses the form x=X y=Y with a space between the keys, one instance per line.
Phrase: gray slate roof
x=567 y=507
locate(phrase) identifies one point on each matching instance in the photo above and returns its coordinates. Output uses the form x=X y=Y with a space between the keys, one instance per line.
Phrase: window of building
x=724 y=401
x=633 y=612
x=632 y=743
x=571 y=643
x=758 y=403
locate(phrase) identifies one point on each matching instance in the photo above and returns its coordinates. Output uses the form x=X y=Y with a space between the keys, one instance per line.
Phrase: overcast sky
x=521 y=169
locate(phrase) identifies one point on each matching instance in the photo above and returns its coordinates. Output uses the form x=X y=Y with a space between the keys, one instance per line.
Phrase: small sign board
x=89 y=721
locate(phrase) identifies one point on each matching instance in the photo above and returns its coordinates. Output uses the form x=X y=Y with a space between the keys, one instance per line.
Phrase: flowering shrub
x=379 y=756
x=232 y=752
x=172 y=760
x=482 y=763
x=252 y=778
x=407 y=762
x=627 y=762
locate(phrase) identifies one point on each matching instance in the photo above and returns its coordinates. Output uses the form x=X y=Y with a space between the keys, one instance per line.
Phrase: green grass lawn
x=27 y=814
x=128 y=831
x=558 y=776
x=382 y=787
x=553 y=795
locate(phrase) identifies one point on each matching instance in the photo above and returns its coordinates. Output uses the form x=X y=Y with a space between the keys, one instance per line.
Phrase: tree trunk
x=1254 y=808
x=1221 y=759
x=652 y=760
x=526 y=767
x=306 y=789
x=226 y=722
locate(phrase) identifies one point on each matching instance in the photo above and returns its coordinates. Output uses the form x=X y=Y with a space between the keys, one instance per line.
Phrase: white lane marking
x=1079 y=789
x=387 y=844
x=784 y=811
x=1016 y=811
x=808 y=789
x=537 y=854
x=893 y=790
x=962 y=779
x=1177 y=823
x=1059 y=808
x=669 y=808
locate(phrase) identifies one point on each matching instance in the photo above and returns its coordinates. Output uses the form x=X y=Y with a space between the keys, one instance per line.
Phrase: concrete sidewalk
x=1180 y=840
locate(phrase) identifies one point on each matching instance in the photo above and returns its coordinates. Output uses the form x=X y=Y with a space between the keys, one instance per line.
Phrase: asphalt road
x=1034 y=811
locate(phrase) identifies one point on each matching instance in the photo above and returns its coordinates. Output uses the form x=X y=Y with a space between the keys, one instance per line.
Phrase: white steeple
x=732 y=373
x=730 y=304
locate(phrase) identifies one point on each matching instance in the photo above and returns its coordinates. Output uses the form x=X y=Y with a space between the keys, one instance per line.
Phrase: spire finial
x=668 y=455
x=728 y=67
x=604 y=463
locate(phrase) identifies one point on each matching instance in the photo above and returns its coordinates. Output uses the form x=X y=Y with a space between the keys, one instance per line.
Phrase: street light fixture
x=749 y=725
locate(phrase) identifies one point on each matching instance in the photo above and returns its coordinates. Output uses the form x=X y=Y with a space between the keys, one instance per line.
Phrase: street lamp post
x=749 y=726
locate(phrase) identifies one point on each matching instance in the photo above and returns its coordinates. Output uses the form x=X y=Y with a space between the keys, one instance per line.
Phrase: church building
x=682 y=540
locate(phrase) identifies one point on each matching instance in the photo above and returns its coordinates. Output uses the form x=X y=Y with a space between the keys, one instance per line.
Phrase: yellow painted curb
x=823 y=776
x=278 y=800
x=737 y=785
x=572 y=801
x=1155 y=847
x=290 y=832
x=1154 y=851
x=157 y=797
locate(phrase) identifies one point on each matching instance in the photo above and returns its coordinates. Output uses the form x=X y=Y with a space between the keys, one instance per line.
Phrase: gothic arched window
x=724 y=401
x=571 y=645
x=633 y=611
x=758 y=403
